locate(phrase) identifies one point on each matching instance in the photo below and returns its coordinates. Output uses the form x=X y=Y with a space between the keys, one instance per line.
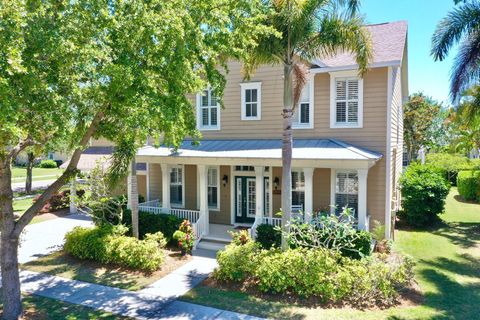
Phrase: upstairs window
x=303 y=116
x=208 y=111
x=251 y=100
x=346 y=102
x=176 y=186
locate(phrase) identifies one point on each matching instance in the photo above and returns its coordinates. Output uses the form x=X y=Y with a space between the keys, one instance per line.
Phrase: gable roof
x=388 y=40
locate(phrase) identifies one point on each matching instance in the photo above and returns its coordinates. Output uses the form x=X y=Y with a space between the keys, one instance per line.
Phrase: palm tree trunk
x=28 y=181
x=287 y=151
x=12 y=303
x=134 y=199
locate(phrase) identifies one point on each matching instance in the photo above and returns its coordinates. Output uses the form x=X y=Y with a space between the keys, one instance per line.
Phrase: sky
x=424 y=74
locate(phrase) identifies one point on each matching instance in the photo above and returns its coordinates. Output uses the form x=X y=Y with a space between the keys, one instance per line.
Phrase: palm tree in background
x=307 y=30
x=460 y=26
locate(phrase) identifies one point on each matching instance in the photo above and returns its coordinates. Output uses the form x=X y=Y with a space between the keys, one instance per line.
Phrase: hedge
x=450 y=164
x=48 y=164
x=468 y=183
x=424 y=190
x=109 y=245
x=167 y=224
x=269 y=236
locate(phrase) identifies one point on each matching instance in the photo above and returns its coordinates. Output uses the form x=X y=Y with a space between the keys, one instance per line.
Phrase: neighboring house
x=347 y=149
x=22 y=158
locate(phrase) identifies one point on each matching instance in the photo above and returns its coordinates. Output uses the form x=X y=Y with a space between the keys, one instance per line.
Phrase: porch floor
x=220 y=232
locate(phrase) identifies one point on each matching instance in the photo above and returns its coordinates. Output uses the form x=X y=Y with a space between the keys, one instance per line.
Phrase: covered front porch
x=223 y=185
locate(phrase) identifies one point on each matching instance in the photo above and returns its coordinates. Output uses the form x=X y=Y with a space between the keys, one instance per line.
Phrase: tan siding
x=321 y=190
x=155 y=181
x=190 y=185
x=142 y=185
x=223 y=216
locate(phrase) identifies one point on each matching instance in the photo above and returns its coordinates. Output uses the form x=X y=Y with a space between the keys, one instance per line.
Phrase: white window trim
x=333 y=109
x=217 y=208
x=311 y=95
x=199 y=114
x=333 y=186
x=299 y=171
x=251 y=85
x=176 y=205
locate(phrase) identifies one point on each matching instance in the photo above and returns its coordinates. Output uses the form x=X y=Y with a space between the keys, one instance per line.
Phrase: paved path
x=20 y=186
x=43 y=238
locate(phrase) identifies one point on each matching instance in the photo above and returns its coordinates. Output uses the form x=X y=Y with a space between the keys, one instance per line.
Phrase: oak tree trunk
x=12 y=305
x=287 y=151
x=134 y=200
x=28 y=181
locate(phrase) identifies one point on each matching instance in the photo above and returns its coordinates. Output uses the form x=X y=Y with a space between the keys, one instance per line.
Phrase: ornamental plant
x=185 y=237
x=424 y=190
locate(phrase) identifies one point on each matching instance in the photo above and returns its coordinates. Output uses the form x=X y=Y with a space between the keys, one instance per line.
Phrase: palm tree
x=461 y=25
x=306 y=30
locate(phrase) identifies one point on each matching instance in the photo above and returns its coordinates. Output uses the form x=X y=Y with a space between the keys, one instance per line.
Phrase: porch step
x=211 y=244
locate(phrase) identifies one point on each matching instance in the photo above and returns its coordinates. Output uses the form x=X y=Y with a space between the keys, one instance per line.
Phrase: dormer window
x=251 y=100
x=346 y=105
x=208 y=111
x=303 y=116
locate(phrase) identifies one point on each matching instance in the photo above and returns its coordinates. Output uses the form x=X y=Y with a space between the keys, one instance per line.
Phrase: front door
x=245 y=199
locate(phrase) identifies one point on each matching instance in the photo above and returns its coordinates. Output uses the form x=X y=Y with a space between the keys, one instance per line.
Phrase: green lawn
x=448 y=272
x=62 y=265
x=39 y=174
x=20 y=206
x=41 y=308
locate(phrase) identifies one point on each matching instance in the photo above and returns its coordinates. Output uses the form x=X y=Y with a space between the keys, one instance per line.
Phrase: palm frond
x=300 y=73
x=466 y=71
x=125 y=151
x=337 y=34
x=452 y=28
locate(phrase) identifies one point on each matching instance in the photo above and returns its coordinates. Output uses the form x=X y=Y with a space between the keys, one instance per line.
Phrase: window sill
x=209 y=128
x=251 y=119
x=302 y=126
x=346 y=126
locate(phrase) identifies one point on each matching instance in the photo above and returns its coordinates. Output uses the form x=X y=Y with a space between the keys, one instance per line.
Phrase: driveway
x=43 y=238
x=20 y=186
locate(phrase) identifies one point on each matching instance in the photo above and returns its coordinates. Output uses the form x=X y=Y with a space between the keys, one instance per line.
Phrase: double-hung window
x=251 y=96
x=298 y=189
x=346 y=102
x=346 y=190
x=176 y=186
x=212 y=185
x=208 y=111
x=303 y=116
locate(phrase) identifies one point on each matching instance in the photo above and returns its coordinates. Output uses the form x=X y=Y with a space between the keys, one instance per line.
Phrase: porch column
x=203 y=201
x=73 y=195
x=362 y=198
x=148 y=181
x=165 y=185
x=259 y=192
x=308 y=209
x=129 y=189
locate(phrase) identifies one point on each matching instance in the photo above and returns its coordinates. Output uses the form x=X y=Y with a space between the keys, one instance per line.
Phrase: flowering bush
x=185 y=237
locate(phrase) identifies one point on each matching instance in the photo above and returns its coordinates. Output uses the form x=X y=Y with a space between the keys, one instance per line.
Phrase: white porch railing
x=196 y=218
x=276 y=222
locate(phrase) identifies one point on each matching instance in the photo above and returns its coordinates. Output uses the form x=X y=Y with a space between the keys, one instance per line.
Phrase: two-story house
x=347 y=148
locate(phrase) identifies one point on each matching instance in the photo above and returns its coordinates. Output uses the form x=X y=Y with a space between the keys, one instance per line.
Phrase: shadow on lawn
x=463 y=234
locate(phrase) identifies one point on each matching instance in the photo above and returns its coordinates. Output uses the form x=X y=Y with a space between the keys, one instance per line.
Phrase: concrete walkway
x=43 y=184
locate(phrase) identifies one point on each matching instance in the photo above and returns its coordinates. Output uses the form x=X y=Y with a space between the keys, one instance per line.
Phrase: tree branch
x=62 y=180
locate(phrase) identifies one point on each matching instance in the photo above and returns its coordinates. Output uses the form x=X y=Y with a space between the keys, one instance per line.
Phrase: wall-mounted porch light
x=276 y=182
x=225 y=180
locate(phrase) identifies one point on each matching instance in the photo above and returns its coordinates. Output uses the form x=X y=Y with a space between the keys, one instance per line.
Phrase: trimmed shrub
x=108 y=244
x=59 y=200
x=450 y=164
x=424 y=190
x=50 y=164
x=362 y=245
x=167 y=224
x=269 y=236
x=468 y=183
x=320 y=273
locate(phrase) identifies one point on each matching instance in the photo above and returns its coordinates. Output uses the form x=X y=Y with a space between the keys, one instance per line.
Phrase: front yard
x=38 y=174
x=447 y=272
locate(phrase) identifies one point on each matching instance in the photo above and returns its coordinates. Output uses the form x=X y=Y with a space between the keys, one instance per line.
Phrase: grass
x=62 y=265
x=20 y=206
x=41 y=308
x=447 y=270
x=19 y=174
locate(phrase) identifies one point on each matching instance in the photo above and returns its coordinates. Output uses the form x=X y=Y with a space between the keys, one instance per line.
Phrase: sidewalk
x=20 y=186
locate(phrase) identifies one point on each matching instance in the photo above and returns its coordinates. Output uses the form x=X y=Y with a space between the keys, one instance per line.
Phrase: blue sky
x=422 y=15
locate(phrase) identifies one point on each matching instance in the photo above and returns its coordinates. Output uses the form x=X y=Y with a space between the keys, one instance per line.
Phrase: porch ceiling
x=303 y=149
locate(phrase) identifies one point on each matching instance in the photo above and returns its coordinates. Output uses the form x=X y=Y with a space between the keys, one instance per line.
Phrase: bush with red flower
x=185 y=237
x=59 y=200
